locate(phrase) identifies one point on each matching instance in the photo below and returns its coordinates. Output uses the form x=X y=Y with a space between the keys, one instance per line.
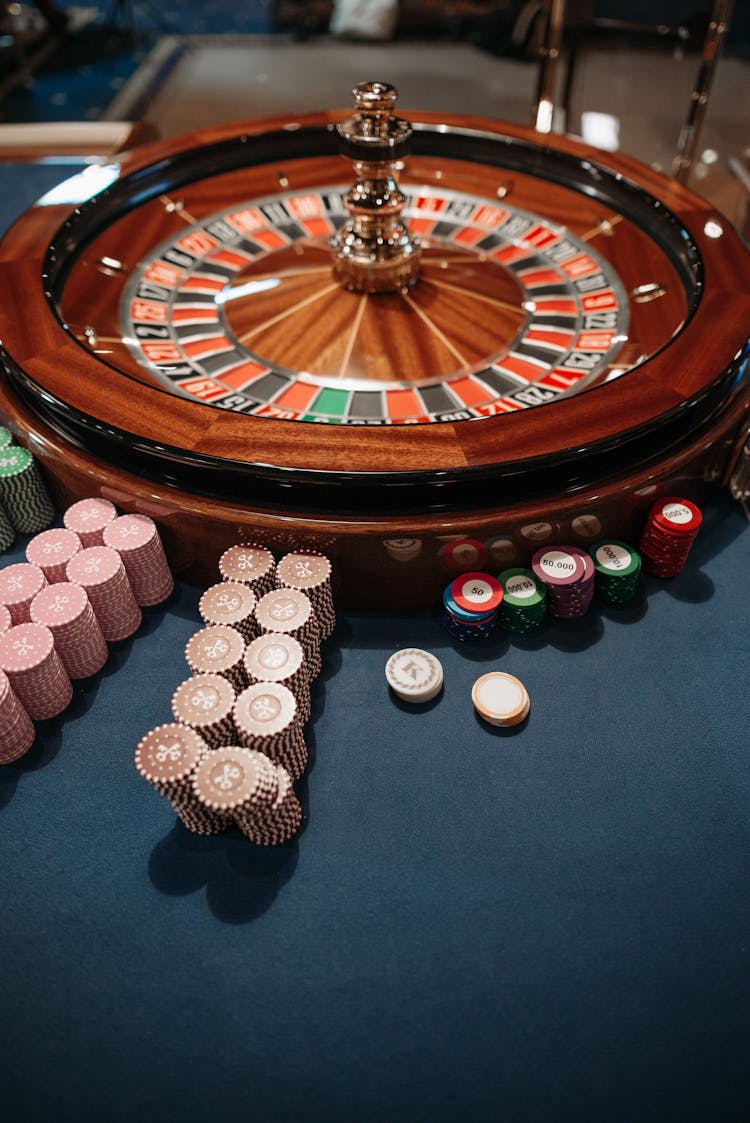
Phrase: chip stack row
x=668 y=536
x=618 y=571
x=568 y=573
x=470 y=604
x=524 y=604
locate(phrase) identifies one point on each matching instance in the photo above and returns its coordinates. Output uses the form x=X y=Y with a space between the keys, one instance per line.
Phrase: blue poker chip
x=467 y=633
x=463 y=615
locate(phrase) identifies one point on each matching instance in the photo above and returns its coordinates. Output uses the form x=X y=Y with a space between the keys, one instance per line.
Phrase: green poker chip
x=524 y=603
x=7 y=533
x=617 y=566
x=22 y=492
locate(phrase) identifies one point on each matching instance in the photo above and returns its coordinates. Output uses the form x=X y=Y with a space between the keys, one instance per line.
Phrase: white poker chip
x=501 y=699
x=414 y=675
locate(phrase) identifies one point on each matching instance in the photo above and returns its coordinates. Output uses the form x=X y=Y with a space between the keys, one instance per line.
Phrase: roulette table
x=572 y=337
x=548 y=921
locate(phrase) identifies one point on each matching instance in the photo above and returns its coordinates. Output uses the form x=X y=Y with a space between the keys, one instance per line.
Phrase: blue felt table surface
x=546 y=923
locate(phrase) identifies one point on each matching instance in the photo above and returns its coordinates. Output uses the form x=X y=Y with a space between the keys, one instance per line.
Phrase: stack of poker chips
x=19 y=584
x=471 y=604
x=168 y=758
x=35 y=671
x=310 y=573
x=618 y=570
x=52 y=550
x=230 y=603
x=17 y=732
x=218 y=649
x=253 y=565
x=136 y=539
x=204 y=703
x=256 y=794
x=23 y=495
x=89 y=518
x=65 y=609
x=267 y=719
x=568 y=573
x=668 y=536
x=524 y=604
x=100 y=571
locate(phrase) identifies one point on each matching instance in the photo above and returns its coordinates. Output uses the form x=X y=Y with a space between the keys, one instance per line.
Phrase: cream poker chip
x=414 y=675
x=500 y=698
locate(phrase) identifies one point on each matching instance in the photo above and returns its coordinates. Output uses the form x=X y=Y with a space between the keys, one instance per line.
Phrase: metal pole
x=721 y=14
x=544 y=108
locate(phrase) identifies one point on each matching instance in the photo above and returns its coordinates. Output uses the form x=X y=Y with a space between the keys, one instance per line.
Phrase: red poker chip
x=477 y=592
x=676 y=516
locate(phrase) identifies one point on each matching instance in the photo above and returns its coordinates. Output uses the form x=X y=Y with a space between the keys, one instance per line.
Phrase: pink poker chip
x=52 y=550
x=65 y=609
x=6 y=620
x=17 y=731
x=19 y=584
x=136 y=539
x=35 y=672
x=88 y=519
x=101 y=572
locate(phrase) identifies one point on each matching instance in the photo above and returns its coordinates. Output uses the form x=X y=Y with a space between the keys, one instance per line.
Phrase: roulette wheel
x=455 y=342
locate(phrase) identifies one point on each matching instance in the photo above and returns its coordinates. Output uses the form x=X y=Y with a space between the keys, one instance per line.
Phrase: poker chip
x=101 y=572
x=7 y=533
x=65 y=609
x=671 y=528
x=199 y=819
x=89 y=518
x=533 y=535
x=6 y=620
x=6 y=437
x=414 y=675
x=500 y=699
x=19 y=584
x=310 y=572
x=277 y=657
x=167 y=757
x=52 y=550
x=230 y=602
x=251 y=564
x=618 y=569
x=136 y=539
x=17 y=732
x=22 y=491
x=35 y=672
x=586 y=527
x=568 y=573
x=524 y=604
x=204 y=703
x=266 y=718
x=470 y=606
x=218 y=649
x=290 y=611
x=501 y=551
x=235 y=779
